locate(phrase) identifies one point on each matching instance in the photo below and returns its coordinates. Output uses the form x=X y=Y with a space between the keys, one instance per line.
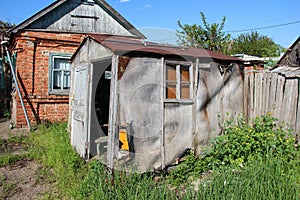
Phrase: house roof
x=288 y=51
x=102 y=3
x=122 y=45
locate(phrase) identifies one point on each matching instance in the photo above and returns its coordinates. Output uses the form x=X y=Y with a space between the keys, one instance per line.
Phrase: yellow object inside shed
x=123 y=139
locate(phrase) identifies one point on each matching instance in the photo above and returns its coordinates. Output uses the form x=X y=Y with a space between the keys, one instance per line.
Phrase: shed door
x=80 y=109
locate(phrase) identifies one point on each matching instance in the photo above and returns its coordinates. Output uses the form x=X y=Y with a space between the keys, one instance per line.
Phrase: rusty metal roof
x=124 y=44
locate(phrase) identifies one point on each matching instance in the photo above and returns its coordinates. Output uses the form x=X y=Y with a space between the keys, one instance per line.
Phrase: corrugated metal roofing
x=287 y=71
x=122 y=44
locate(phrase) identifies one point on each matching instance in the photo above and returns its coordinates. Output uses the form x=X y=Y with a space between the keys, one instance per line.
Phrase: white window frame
x=178 y=83
x=52 y=57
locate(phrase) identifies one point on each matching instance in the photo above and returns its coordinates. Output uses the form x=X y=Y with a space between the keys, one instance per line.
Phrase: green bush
x=242 y=142
x=239 y=145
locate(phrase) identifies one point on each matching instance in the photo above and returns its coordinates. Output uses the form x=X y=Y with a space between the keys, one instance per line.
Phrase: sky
x=157 y=19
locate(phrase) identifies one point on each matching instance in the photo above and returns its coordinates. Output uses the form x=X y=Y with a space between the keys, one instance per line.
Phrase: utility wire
x=264 y=27
x=245 y=30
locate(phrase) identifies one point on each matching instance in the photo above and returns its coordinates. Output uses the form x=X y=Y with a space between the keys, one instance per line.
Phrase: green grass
x=261 y=180
x=8 y=155
x=51 y=146
x=269 y=177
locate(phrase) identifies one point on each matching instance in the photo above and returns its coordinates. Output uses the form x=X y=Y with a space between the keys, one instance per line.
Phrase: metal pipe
x=17 y=85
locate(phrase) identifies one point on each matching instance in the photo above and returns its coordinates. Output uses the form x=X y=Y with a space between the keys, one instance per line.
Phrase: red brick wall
x=33 y=49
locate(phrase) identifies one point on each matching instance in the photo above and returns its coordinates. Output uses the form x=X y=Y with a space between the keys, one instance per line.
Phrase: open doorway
x=102 y=98
x=99 y=106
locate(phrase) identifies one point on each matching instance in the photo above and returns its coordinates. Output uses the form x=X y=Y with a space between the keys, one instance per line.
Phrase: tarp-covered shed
x=143 y=104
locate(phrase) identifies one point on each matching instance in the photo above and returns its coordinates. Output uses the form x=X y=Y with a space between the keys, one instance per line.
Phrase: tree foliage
x=255 y=44
x=5 y=25
x=208 y=36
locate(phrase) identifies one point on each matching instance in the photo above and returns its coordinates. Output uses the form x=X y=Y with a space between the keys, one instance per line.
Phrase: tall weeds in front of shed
x=256 y=161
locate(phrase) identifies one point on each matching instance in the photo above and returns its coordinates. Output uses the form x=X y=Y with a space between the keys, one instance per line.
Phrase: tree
x=255 y=44
x=208 y=36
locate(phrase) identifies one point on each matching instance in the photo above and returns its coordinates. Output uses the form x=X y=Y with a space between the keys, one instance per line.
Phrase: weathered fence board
x=270 y=92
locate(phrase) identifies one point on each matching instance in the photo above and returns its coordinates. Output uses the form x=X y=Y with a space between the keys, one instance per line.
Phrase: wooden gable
x=291 y=57
x=80 y=16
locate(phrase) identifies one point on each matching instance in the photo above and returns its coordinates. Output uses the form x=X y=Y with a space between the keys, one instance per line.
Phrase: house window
x=178 y=81
x=1 y=74
x=60 y=74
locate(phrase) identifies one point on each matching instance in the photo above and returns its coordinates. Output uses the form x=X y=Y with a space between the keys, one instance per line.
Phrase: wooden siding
x=217 y=95
x=75 y=16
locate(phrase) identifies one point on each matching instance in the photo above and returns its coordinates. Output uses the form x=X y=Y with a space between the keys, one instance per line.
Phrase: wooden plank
x=251 y=96
x=267 y=92
x=258 y=94
x=112 y=113
x=263 y=91
x=272 y=94
x=294 y=99
x=279 y=96
x=246 y=94
x=162 y=97
x=87 y=111
x=297 y=129
x=195 y=86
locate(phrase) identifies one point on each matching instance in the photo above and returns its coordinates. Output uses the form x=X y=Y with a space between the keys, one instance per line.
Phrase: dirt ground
x=23 y=179
x=5 y=129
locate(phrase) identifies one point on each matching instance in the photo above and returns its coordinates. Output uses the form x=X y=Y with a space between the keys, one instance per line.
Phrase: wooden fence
x=266 y=91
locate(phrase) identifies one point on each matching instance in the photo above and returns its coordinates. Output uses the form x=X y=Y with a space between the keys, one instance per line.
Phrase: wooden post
x=162 y=96
x=112 y=131
x=251 y=96
x=297 y=129
x=246 y=95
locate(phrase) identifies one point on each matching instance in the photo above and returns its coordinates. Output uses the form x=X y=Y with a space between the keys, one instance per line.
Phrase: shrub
x=240 y=144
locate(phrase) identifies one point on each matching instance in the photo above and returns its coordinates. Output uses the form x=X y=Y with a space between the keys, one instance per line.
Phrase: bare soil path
x=23 y=179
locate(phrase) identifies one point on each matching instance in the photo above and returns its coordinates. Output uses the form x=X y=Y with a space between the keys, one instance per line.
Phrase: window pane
x=61 y=63
x=171 y=73
x=184 y=91
x=184 y=74
x=171 y=91
x=56 y=80
x=67 y=80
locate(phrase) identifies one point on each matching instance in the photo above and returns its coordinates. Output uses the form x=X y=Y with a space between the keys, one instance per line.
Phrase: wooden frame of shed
x=167 y=99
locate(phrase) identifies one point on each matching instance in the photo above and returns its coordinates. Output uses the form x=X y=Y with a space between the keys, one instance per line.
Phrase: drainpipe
x=17 y=85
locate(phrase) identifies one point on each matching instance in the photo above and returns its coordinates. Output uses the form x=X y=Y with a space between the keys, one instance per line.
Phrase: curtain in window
x=61 y=73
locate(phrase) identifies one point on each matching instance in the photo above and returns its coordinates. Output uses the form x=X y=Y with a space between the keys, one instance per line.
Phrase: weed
x=239 y=145
x=246 y=162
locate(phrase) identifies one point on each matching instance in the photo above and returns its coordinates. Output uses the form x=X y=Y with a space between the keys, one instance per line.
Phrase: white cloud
x=148 y=6
x=123 y=1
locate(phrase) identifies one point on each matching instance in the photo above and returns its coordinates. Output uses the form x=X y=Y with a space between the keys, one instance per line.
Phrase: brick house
x=44 y=43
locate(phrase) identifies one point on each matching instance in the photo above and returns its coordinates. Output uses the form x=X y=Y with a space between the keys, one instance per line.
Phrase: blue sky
x=157 y=19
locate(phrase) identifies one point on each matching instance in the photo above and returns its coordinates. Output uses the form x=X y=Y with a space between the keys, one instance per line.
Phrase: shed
x=145 y=103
